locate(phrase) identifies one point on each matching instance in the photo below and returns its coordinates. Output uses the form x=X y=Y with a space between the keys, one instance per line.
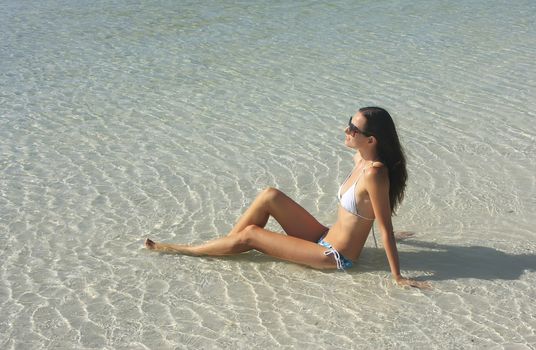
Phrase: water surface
x=131 y=119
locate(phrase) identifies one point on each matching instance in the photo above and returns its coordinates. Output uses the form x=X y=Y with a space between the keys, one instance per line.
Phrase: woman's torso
x=350 y=231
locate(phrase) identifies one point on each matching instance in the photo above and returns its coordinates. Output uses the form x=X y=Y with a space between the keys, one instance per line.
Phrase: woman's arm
x=377 y=185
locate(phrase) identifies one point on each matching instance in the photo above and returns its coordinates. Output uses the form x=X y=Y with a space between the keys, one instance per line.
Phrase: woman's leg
x=227 y=245
x=254 y=237
x=293 y=218
x=299 y=246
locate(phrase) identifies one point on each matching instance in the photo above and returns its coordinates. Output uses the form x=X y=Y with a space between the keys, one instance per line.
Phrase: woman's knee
x=245 y=237
x=269 y=194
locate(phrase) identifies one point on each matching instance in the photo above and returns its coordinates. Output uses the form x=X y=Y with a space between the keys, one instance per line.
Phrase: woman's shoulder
x=377 y=171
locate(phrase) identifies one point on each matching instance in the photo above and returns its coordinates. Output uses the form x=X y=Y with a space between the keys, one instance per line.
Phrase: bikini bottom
x=343 y=263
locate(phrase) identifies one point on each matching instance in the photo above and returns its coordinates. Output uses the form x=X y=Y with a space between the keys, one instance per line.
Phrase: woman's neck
x=368 y=155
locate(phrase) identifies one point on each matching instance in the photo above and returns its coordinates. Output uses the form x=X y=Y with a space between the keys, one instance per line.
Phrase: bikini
x=348 y=202
x=347 y=199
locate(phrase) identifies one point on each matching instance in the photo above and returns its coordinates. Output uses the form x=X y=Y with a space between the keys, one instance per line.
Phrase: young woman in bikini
x=372 y=191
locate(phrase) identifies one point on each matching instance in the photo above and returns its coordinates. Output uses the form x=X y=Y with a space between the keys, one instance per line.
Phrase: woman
x=372 y=191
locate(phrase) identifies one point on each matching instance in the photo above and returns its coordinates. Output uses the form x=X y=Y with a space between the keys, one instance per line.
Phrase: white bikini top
x=347 y=199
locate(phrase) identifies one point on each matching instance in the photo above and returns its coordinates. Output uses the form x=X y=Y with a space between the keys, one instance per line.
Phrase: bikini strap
x=363 y=172
x=337 y=257
x=349 y=174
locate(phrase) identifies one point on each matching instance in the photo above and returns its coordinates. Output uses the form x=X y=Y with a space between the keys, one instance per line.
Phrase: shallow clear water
x=131 y=119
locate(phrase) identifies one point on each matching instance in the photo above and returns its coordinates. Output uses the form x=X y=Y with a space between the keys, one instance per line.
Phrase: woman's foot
x=149 y=244
x=169 y=247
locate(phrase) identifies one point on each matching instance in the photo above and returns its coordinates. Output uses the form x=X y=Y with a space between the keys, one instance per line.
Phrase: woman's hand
x=406 y=282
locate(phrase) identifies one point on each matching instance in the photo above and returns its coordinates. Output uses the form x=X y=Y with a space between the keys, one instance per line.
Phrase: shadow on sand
x=446 y=262
x=438 y=261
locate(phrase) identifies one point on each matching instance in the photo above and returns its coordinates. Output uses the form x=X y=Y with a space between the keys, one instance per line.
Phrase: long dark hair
x=381 y=125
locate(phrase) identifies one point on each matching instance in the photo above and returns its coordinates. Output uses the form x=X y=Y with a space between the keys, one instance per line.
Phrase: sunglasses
x=355 y=130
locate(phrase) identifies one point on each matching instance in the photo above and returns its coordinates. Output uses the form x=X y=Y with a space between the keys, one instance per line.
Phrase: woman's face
x=354 y=137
